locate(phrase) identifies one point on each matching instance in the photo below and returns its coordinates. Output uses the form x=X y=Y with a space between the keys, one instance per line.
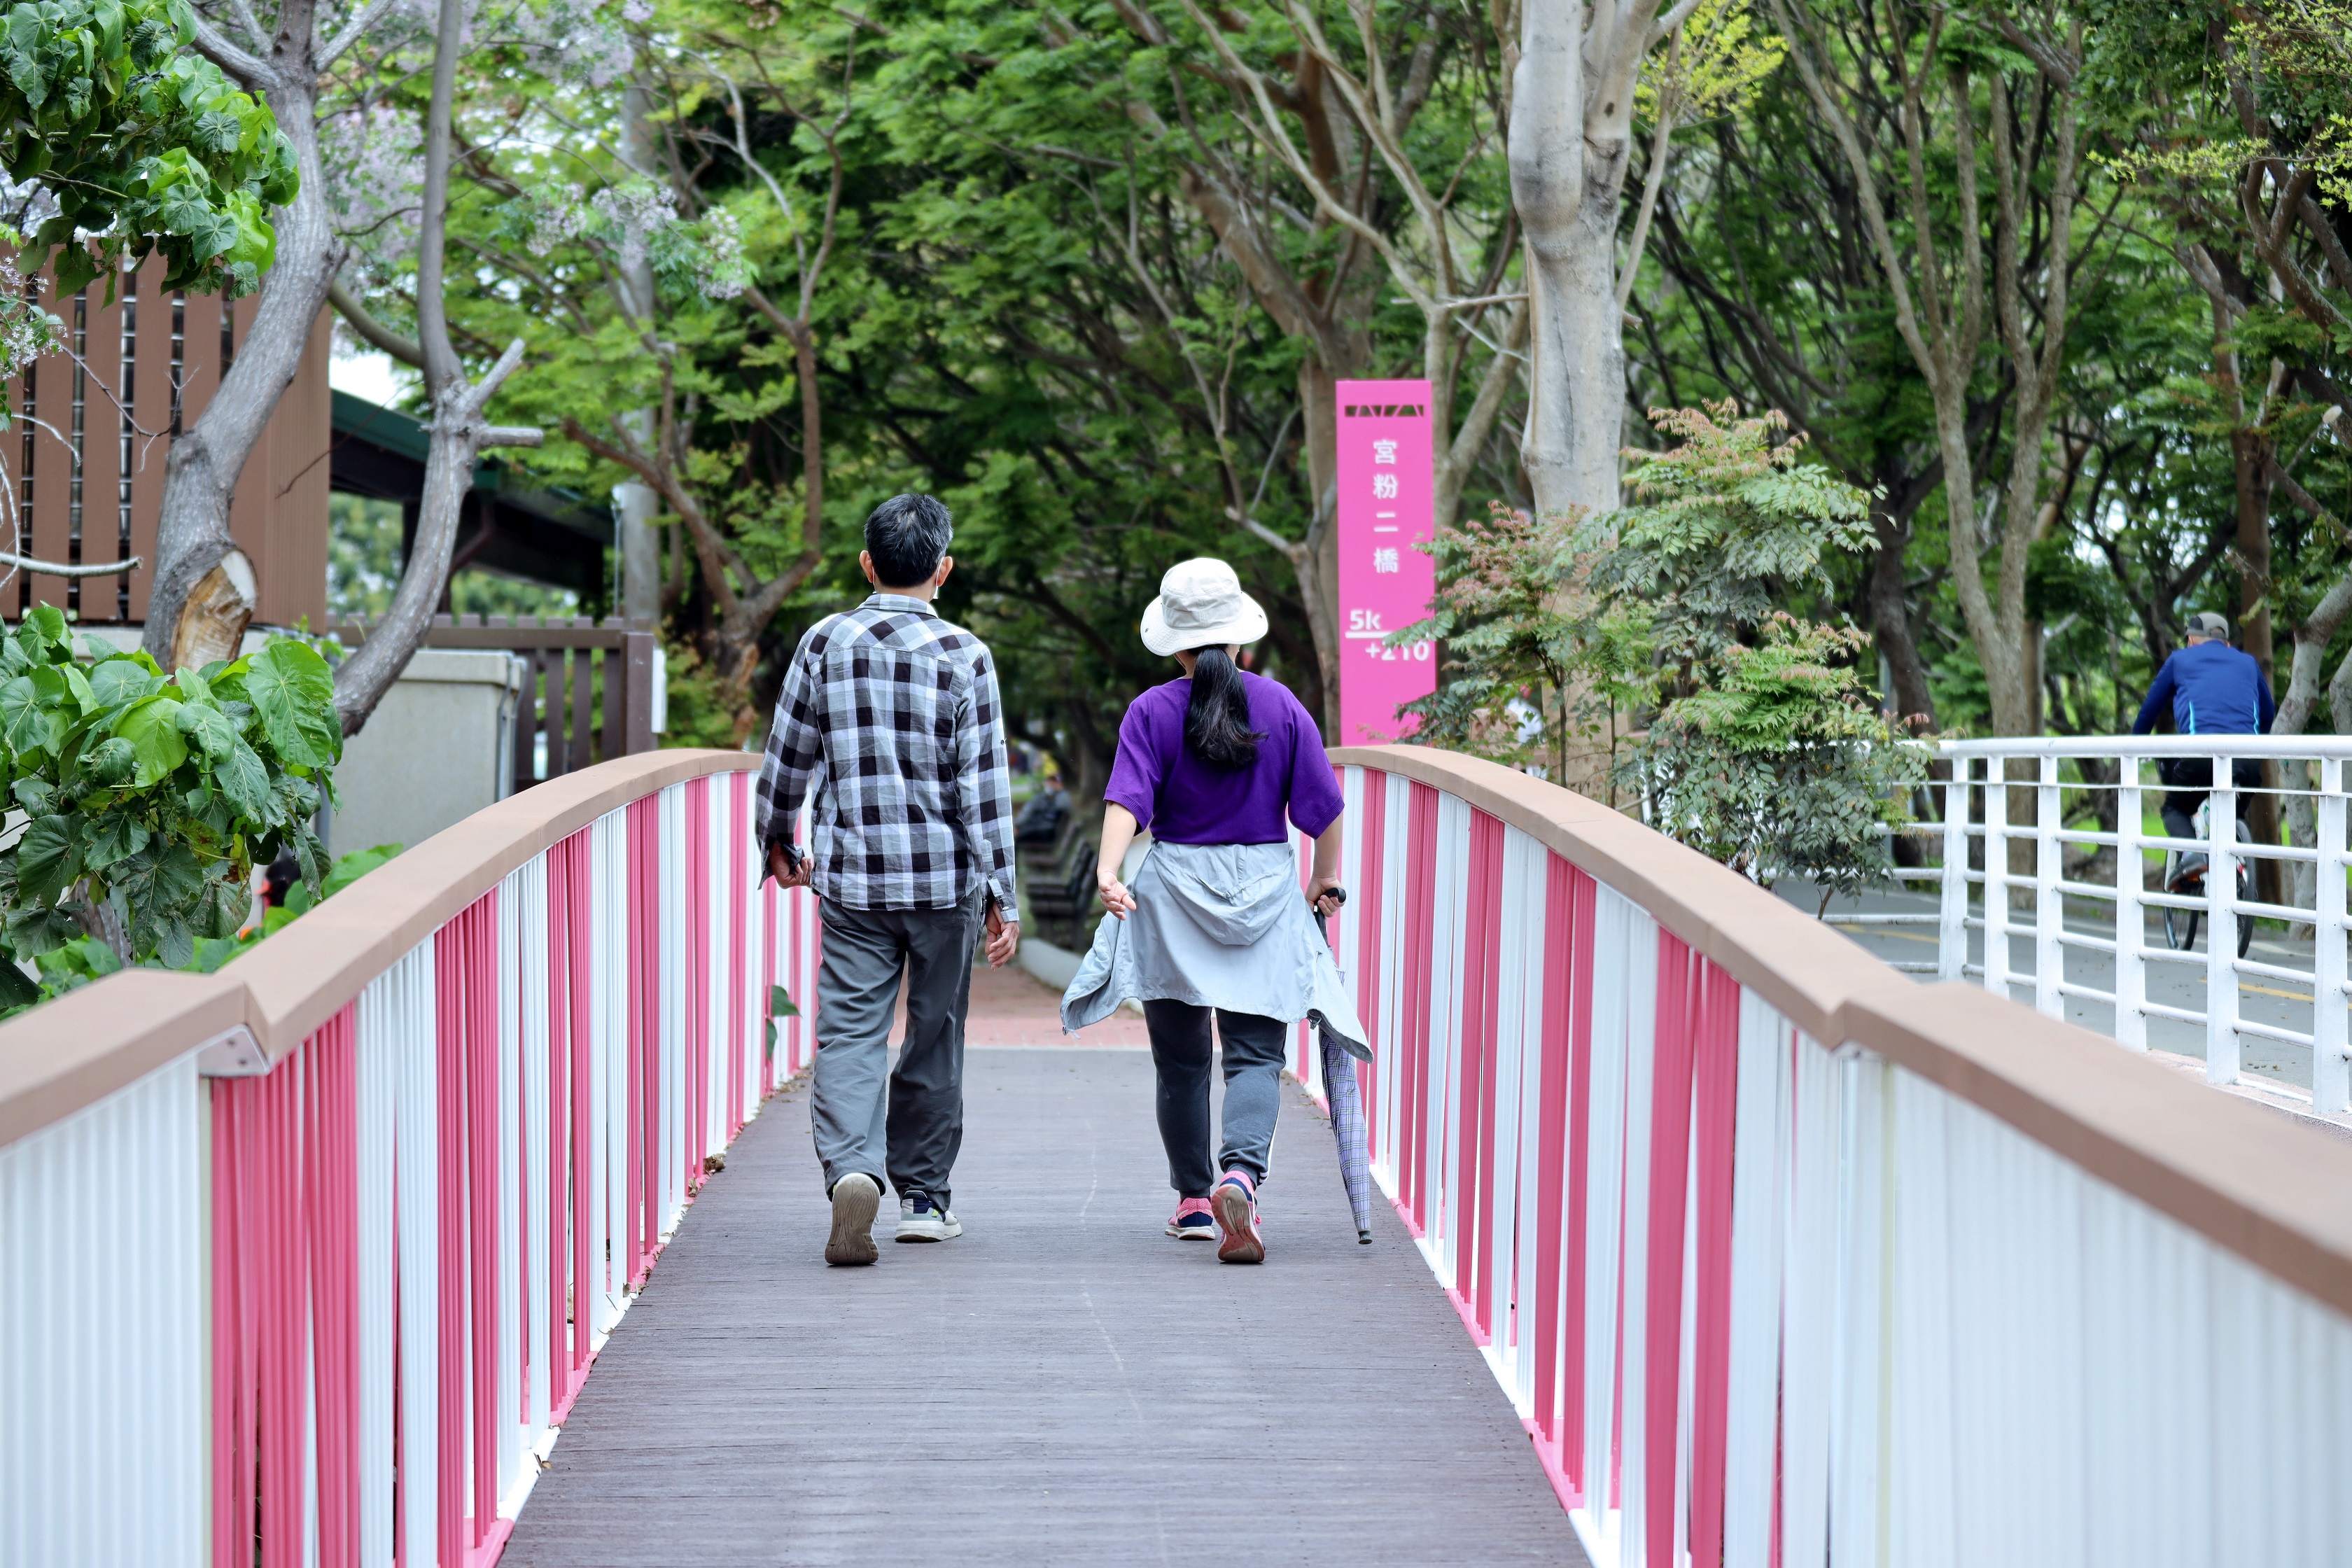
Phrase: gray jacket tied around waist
x=1217 y=925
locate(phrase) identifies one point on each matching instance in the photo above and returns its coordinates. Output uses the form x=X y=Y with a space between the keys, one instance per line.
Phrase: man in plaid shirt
x=890 y=726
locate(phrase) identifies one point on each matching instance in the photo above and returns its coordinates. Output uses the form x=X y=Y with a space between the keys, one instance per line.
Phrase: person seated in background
x=2208 y=689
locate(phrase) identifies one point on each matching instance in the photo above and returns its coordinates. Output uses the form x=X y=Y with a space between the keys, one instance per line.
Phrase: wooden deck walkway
x=1062 y=1384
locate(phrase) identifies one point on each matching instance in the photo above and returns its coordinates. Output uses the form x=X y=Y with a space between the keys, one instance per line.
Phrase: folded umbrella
x=1345 y=1095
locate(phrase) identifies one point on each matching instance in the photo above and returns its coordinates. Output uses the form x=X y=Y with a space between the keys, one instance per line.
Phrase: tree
x=139 y=147
x=1570 y=109
x=1760 y=294
x=122 y=144
x=1725 y=525
x=1526 y=665
x=2248 y=153
x=1900 y=100
x=203 y=592
x=1366 y=139
x=459 y=431
x=1779 y=763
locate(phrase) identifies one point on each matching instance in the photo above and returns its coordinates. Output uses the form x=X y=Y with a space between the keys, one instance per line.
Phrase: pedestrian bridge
x=471 y=1218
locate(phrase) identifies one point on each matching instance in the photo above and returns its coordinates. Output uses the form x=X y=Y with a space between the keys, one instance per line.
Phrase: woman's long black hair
x=1216 y=721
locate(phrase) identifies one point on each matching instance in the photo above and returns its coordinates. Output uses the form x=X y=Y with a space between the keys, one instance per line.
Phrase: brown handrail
x=77 y=1049
x=2274 y=1192
x=2270 y=1191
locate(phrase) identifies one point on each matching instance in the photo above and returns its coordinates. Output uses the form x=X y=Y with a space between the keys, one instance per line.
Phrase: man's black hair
x=906 y=535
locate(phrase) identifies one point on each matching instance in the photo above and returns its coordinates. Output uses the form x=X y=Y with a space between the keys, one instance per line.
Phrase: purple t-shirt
x=1184 y=801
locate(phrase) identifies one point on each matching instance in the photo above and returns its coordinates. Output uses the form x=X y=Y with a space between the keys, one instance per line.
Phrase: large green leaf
x=160 y=889
x=34 y=794
x=153 y=728
x=117 y=837
x=118 y=682
x=31 y=717
x=208 y=726
x=243 y=779
x=112 y=761
x=44 y=629
x=294 y=691
x=194 y=688
x=77 y=688
x=221 y=907
x=17 y=990
x=47 y=859
x=36 y=929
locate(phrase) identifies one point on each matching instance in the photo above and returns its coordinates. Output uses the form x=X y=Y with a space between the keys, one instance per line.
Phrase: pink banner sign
x=1386 y=509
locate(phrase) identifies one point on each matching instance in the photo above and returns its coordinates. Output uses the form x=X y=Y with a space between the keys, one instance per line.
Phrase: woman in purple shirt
x=1220 y=766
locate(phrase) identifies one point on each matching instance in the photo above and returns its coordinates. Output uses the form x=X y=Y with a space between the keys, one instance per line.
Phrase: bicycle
x=2184 y=876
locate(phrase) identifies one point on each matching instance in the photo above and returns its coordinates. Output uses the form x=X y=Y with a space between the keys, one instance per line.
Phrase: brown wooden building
x=85 y=460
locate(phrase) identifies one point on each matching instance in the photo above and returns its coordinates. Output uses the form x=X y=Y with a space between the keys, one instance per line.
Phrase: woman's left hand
x=1324 y=895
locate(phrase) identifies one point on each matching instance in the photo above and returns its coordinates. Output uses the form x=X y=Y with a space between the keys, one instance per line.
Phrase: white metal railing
x=1783 y=1259
x=2079 y=873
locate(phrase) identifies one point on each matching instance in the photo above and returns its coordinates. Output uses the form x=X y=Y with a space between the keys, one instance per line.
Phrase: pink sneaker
x=1235 y=1201
x=1192 y=1220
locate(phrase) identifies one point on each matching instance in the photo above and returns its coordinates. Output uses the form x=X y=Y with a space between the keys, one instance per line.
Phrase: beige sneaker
x=856 y=1197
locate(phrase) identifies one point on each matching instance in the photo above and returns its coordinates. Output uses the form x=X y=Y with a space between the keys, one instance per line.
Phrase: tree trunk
x=2250 y=455
x=458 y=434
x=192 y=546
x=1890 y=621
x=361 y=679
x=2295 y=708
x=1568 y=160
x=634 y=502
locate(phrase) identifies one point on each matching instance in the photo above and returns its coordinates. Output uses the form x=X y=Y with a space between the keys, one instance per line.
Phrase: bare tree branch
x=363 y=322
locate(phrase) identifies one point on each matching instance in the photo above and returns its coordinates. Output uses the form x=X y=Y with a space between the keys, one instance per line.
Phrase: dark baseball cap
x=2206 y=624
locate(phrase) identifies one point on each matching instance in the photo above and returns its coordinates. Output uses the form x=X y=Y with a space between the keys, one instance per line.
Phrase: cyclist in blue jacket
x=2214 y=690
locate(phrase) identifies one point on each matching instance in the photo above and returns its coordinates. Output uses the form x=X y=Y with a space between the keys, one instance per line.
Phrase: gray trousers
x=903 y=1124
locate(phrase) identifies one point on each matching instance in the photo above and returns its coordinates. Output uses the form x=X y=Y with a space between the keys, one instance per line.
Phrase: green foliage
x=1529 y=659
x=144 y=144
x=302 y=896
x=150 y=798
x=1731 y=522
x=364 y=554
x=86 y=958
x=698 y=710
x=1780 y=764
x=1771 y=756
x=1715 y=67
x=779 y=1006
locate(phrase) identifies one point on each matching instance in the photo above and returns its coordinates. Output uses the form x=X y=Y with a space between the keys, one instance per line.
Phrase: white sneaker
x=855 y=1198
x=920 y=1219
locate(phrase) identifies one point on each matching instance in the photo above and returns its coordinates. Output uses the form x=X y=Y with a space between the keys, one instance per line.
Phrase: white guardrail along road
x=2096 y=907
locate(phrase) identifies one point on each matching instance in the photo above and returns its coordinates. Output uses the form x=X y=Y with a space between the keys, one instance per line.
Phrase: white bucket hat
x=1200 y=604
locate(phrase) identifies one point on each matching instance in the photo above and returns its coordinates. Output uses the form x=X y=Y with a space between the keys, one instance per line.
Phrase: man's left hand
x=788 y=871
x=1003 y=937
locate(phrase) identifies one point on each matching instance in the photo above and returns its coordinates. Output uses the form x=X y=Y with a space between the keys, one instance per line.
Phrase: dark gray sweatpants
x=1254 y=1050
x=902 y=1124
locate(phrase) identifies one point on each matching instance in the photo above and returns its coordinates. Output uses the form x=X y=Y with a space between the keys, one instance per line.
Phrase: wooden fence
x=85 y=460
x=575 y=711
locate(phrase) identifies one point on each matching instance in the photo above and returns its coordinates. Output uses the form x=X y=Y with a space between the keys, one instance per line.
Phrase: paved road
x=1063 y=1385
x=2285 y=1004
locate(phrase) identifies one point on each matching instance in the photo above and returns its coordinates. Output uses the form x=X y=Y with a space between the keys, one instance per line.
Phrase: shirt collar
x=904 y=603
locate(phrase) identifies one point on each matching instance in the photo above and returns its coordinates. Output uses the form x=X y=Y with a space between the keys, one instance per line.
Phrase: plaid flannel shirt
x=890 y=726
